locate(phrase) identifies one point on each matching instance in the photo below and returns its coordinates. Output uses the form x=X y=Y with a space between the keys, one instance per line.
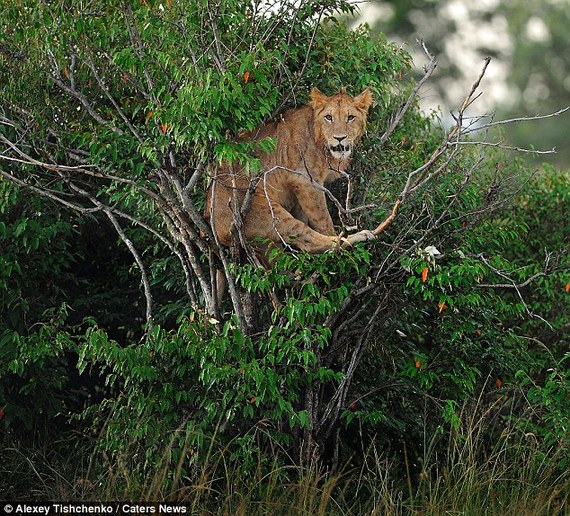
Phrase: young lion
x=313 y=146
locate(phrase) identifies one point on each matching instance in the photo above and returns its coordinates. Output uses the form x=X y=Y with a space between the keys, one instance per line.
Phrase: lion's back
x=291 y=134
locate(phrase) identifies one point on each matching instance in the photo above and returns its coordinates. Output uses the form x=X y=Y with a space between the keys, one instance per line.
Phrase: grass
x=514 y=478
x=463 y=472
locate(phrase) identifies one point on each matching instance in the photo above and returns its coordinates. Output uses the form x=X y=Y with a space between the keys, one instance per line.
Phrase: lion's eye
x=328 y=118
x=350 y=118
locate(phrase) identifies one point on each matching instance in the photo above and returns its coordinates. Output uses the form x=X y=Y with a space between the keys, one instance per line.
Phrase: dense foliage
x=452 y=328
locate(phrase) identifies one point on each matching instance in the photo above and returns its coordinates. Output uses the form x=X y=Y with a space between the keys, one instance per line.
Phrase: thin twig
x=516 y=286
x=500 y=145
x=515 y=120
x=301 y=73
x=118 y=108
x=428 y=71
x=127 y=241
x=45 y=193
x=72 y=91
x=85 y=169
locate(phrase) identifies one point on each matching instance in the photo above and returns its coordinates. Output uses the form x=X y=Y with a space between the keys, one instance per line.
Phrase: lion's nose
x=340 y=138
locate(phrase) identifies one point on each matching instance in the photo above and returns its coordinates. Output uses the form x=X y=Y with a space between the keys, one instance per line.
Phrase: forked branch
x=453 y=141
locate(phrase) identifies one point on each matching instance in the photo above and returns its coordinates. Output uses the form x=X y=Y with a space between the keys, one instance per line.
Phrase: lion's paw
x=361 y=236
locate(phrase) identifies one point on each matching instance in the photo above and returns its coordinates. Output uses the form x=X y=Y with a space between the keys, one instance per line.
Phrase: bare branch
x=72 y=91
x=137 y=43
x=388 y=220
x=111 y=216
x=86 y=169
x=178 y=222
x=45 y=193
x=469 y=98
x=512 y=284
x=118 y=108
x=196 y=176
x=500 y=145
x=301 y=73
x=515 y=120
x=429 y=68
x=413 y=183
x=219 y=56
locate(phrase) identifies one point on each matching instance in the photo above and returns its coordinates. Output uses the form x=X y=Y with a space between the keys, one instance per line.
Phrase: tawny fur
x=314 y=144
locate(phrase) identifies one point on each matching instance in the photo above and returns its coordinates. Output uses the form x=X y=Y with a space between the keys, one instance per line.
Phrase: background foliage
x=443 y=343
x=528 y=44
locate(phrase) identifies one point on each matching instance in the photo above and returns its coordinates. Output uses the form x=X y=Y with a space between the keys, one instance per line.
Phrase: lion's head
x=340 y=120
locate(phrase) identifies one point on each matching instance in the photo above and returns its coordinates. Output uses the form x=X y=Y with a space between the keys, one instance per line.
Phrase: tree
x=119 y=111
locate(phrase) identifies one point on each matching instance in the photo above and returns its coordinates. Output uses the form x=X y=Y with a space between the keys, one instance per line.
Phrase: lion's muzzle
x=340 y=150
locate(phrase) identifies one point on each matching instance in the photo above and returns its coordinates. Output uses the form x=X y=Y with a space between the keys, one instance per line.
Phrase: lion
x=313 y=146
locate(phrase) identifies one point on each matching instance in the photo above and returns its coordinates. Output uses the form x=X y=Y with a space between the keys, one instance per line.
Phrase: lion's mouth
x=341 y=150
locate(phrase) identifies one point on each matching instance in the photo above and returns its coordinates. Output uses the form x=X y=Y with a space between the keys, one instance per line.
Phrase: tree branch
x=429 y=68
x=512 y=284
x=515 y=120
x=111 y=216
x=72 y=91
x=118 y=108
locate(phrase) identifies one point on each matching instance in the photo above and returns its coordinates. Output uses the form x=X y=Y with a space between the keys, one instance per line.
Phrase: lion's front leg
x=269 y=219
x=294 y=232
x=312 y=204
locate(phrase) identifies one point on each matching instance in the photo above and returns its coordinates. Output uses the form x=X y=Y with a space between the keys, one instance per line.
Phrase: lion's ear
x=317 y=98
x=364 y=100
